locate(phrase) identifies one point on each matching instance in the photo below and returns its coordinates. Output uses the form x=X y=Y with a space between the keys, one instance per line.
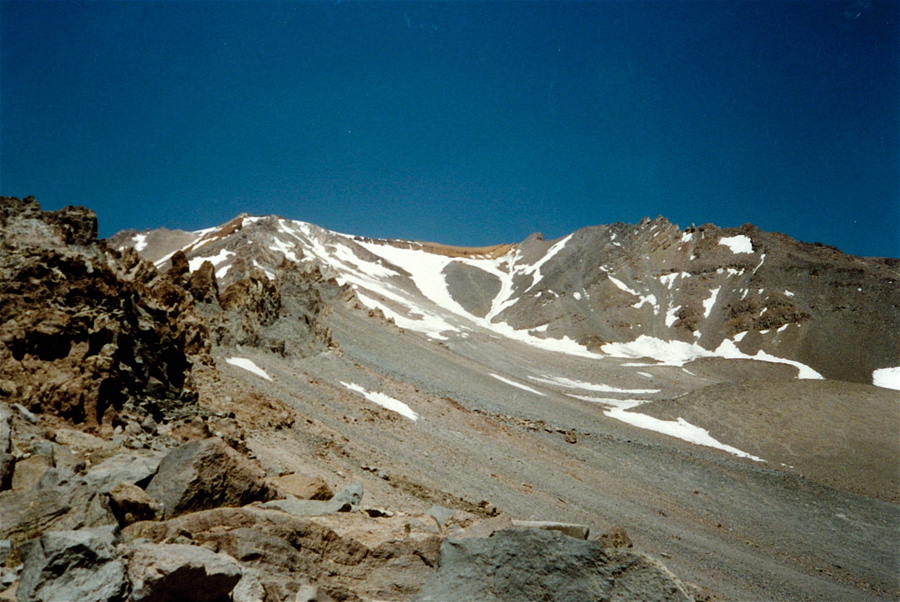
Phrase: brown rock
x=207 y=474
x=129 y=503
x=303 y=487
x=616 y=537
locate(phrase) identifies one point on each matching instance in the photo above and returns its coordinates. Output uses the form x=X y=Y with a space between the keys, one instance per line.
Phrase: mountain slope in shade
x=648 y=290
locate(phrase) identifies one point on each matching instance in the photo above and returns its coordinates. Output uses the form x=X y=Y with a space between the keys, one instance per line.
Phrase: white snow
x=140 y=242
x=680 y=428
x=515 y=384
x=788 y=293
x=678 y=353
x=249 y=365
x=535 y=270
x=887 y=378
x=577 y=295
x=738 y=244
x=739 y=336
x=279 y=246
x=622 y=285
x=710 y=302
x=687 y=236
x=385 y=401
x=671 y=318
x=577 y=384
x=782 y=328
x=196 y=262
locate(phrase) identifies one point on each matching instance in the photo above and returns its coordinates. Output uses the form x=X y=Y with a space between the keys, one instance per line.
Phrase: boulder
x=123 y=468
x=164 y=572
x=346 y=500
x=72 y=565
x=206 y=474
x=61 y=500
x=536 y=564
x=303 y=487
x=129 y=503
x=30 y=470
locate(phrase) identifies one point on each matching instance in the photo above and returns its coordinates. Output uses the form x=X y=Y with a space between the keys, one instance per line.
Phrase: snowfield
x=249 y=366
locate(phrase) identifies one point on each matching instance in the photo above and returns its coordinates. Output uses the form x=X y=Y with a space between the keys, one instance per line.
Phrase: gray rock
x=123 y=468
x=346 y=500
x=164 y=572
x=534 y=564
x=570 y=529
x=72 y=565
x=30 y=470
x=5 y=429
x=61 y=500
x=441 y=514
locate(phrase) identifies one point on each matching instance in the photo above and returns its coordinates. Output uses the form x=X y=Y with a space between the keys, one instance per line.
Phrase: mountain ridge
x=694 y=290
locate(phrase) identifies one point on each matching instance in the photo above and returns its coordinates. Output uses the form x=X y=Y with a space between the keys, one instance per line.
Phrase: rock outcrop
x=536 y=564
x=81 y=337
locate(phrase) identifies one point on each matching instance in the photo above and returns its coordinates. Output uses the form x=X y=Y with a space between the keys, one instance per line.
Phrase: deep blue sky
x=462 y=122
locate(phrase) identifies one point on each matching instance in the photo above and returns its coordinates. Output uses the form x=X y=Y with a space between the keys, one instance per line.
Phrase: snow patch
x=887 y=378
x=195 y=263
x=738 y=244
x=678 y=353
x=140 y=242
x=710 y=302
x=248 y=365
x=517 y=385
x=680 y=428
x=577 y=384
x=385 y=401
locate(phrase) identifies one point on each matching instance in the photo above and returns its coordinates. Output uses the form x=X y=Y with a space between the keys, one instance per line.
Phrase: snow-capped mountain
x=648 y=290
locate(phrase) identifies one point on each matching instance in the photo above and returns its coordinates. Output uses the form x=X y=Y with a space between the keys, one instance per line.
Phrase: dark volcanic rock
x=207 y=474
x=79 y=337
x=533 y=564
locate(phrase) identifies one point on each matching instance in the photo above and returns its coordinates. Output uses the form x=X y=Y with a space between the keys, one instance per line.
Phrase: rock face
x=81 y=334
x=532 y=564
x=206 y=474
x=72 y=565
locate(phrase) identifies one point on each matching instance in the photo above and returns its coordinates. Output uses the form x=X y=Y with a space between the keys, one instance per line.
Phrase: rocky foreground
x=126 y=471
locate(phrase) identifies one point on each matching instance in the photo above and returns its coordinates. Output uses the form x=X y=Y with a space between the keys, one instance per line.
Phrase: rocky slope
x=469 y=407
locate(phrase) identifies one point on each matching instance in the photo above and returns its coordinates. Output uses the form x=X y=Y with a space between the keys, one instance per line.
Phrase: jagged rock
x=123 y=468
x=61 y=500
x=206 y=474
x=5 y=428
x=347 y=500
x=202 y=283
x=303 y=487
x=129 y=503
x=348 y=555
x=78 y=339
x=534 y=564
x=72 y=565
x=163 y=572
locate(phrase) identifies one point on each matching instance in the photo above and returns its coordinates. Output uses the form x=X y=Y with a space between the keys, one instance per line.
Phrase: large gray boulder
x=207 y=474
x=123 y=468
x=72 y=565
x=167 y=572
x=61 y=500
x=536 y=564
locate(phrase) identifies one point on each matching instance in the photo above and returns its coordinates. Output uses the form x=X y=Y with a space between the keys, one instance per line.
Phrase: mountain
x=702 y=398
x=643 y=291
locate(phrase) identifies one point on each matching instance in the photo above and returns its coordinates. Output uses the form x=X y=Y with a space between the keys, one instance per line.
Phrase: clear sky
x=467 y=123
